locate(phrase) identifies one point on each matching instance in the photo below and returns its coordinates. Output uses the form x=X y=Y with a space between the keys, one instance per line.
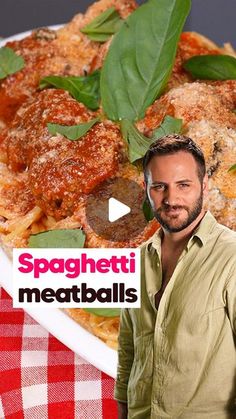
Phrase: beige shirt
x=179 y=361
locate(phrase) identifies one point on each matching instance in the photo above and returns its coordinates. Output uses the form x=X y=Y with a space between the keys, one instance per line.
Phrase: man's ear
x=205 y=187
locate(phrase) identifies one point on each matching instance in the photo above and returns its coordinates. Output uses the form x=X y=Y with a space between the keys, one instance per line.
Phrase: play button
x=116 y=210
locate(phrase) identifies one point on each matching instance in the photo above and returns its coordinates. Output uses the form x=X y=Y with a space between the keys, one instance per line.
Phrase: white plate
x=56 y=321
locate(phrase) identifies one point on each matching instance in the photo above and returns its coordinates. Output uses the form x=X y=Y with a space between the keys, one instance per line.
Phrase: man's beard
x=193 y=213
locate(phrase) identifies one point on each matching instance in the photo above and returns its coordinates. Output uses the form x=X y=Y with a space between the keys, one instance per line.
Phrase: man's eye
x=158 y=187
x=184 y=185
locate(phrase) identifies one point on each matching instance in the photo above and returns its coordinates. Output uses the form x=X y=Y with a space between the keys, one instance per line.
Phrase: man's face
x=174 y=190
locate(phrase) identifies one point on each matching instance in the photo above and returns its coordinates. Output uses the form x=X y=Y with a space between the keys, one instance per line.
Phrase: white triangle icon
x=116 y=209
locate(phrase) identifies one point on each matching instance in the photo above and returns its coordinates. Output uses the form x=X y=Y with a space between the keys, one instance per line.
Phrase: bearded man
x=177 y=352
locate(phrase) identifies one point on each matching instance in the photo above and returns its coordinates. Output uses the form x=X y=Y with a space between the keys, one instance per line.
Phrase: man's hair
x=171 y=144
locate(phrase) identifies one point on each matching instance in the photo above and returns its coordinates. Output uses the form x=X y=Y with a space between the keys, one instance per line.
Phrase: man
x=177 y=353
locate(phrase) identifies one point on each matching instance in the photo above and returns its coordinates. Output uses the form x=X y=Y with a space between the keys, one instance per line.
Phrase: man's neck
x=180 y=239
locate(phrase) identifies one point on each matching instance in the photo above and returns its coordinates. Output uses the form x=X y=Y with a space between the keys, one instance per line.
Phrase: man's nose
x=171 y=196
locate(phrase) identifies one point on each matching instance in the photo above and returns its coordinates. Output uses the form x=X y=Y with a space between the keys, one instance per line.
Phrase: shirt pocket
x=140 y=380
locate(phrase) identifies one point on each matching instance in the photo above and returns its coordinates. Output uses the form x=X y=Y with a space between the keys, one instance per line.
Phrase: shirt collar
x=205 y=228
x=202 y=232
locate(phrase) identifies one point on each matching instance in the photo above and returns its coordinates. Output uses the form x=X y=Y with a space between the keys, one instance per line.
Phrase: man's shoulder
x=225 y=234
x=225 y=240
x=211 y=229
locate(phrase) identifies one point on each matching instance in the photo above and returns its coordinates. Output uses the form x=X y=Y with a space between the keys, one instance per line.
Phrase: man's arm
x=122 y=410
x=230 y=296
x=125 y=361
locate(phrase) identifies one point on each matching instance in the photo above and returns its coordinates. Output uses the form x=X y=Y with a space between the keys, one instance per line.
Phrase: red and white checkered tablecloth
x=40 y=378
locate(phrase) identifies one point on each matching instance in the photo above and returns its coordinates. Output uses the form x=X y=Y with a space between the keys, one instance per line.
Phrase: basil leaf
x=84 y=89
x=58 y=238
x=138 y=143
x=10 y=62
x=105 y=312
x=212 y=67
x=98 y=37
x=169 y=125
x=73 y=132
x=140 y=59
x=148 y=214
x=232 y=168
x=103 y=26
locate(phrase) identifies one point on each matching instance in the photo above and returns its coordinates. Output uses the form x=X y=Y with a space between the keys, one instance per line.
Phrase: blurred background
x=212 y=18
